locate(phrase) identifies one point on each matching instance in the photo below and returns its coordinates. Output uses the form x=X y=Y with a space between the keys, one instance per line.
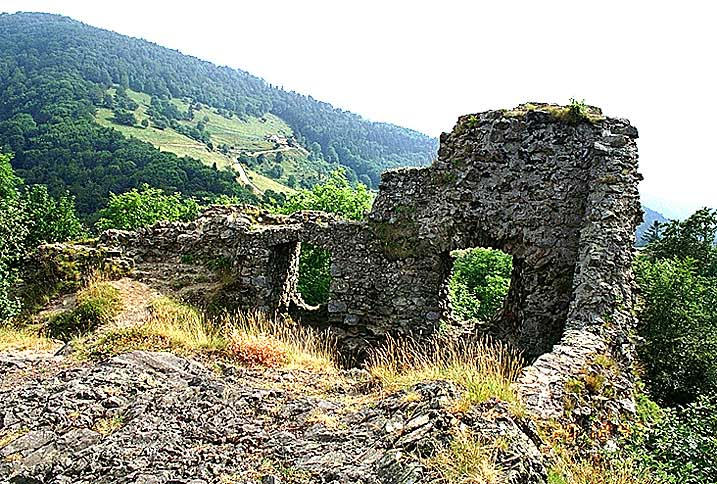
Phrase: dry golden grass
x=14 y=338
x=467 y=461
x=568 y=470
x=300 y=347
x=106 y=426
x=96 y=303
x=563 y=449
x=485 y=368
x=7 y=437
x=328 y=421
x=251 y=339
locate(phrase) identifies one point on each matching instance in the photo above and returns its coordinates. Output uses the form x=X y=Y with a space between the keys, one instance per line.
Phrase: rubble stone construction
x=556 y=189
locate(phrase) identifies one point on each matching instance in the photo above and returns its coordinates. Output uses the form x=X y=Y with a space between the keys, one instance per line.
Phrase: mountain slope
x=53 y=67
x=648 y=219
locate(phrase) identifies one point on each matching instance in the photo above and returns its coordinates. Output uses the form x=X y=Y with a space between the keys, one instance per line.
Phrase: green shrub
x=314 y=274
x=97 y=304
x=479 y=283
x=29 y=216
x=141 y=208
x=678 y=324
x=335 y=195
x=693 y=237
x=9 y=302
x=50 y=219
x=681 y=448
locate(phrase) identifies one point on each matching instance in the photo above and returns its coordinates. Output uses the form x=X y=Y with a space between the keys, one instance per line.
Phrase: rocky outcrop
x=157 y=418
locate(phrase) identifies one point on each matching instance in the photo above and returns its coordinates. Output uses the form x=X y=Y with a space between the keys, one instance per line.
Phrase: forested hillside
x=55 y=73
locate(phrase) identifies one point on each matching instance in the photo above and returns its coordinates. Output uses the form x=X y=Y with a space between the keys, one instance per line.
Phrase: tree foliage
x=678 y=322
x=692 y=238
x=29 y=216
x=141 y=208
x=680 y=446
x=677 y=275
x=479 y=283
x=335 y=195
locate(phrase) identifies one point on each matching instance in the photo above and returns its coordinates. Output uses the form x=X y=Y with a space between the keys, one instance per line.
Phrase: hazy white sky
x=422 y=64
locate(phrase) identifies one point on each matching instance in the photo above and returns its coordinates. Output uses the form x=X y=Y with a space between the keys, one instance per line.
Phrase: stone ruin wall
x=560 y=197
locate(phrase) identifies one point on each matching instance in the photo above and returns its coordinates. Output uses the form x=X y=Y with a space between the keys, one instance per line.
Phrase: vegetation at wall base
x=677 y=276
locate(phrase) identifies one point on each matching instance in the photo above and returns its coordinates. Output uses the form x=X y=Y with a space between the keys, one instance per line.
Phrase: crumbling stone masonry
x=557 y=192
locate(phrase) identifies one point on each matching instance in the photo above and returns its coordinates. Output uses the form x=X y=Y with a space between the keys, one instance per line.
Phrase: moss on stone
x=573 y=114
x=398 y=239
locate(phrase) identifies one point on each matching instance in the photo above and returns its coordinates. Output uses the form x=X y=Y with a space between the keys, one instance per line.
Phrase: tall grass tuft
x=253 y=336
x=14 y=338
x=484 y=367
x=467 y=461
x=250 y=339
x=97 y=304
x=570 y=470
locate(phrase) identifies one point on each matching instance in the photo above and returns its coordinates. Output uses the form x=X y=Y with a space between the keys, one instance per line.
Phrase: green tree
x=13 y=233
x=50 y=219
x=141 y=208
x=693 y=237
x=479 y=283
x=677 y=275
x=28 y=216
x=337 y=196
x=652 y=234
x=276 y=171
x=124 y=117
x=8 y=181
x=678 y=324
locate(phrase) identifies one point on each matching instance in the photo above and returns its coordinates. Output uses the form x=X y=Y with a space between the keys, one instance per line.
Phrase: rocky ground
x=153 y=417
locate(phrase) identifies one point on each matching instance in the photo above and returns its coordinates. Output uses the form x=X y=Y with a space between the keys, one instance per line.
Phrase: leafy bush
x=681 y=448
x=677 y=274
x=9 y=303
x=693 y=237
x=338 y=196
x=13 y=232
x=335 y=195
x=479 y=283
x=50 y=219
x=314 y=274
x=28 y=216
x=141 y=208
x=679 y=326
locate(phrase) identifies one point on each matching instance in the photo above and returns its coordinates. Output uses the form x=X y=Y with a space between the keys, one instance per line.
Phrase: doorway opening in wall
x=478 y=284
x=314 y=274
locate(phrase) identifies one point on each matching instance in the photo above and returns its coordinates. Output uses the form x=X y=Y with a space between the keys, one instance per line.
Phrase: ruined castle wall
x=559 y=194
